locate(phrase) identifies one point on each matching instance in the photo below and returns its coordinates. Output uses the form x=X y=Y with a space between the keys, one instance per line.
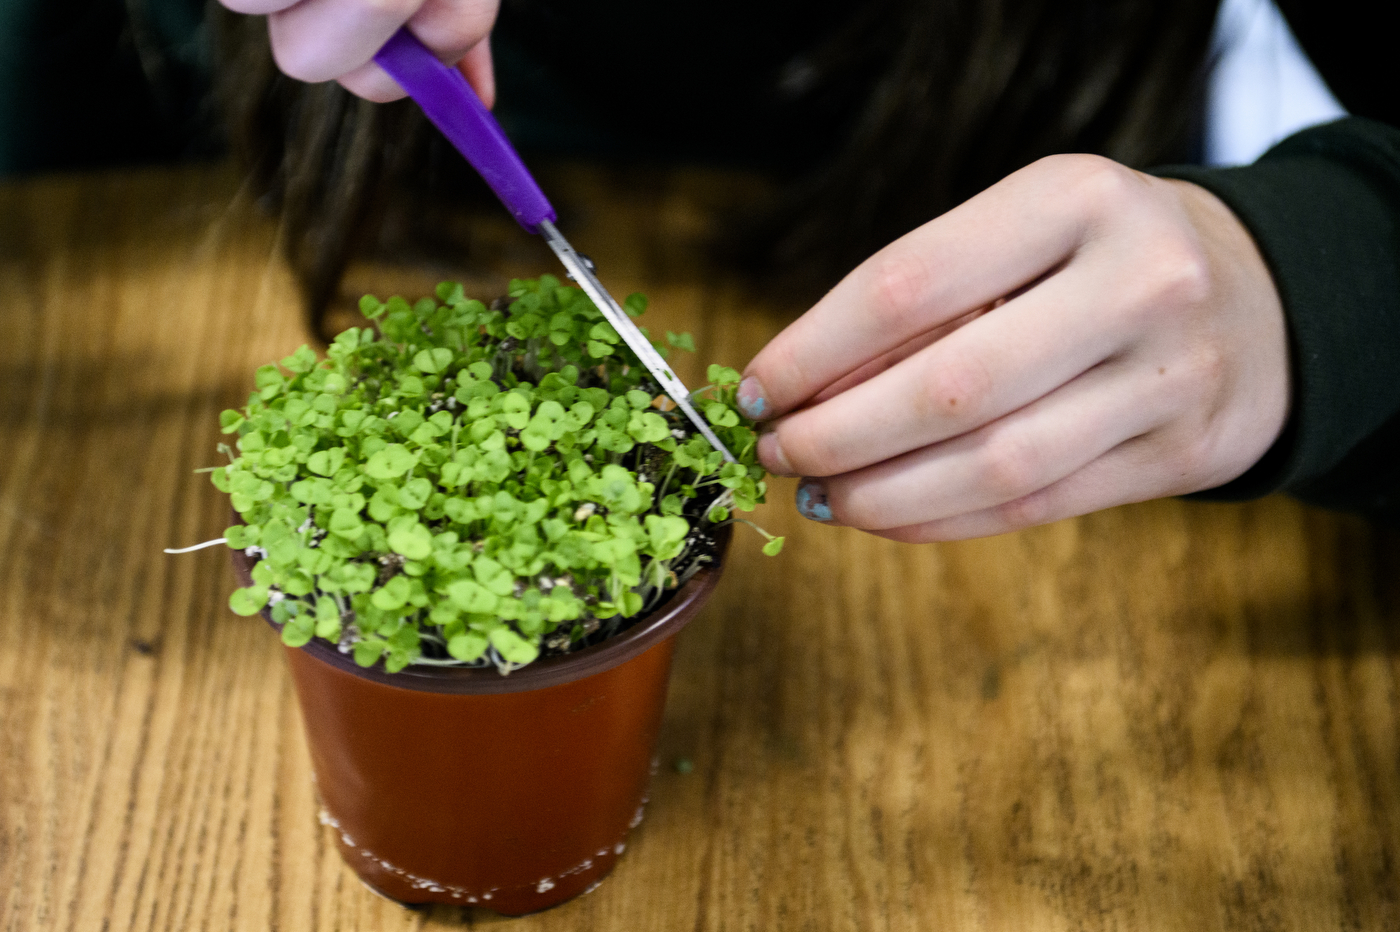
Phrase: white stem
x=207 y=543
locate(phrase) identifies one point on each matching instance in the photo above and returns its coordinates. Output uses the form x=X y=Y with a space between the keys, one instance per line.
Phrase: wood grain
x=1172 y=716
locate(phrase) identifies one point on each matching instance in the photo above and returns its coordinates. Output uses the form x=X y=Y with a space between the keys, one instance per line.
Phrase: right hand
x=323 y=40
x=1079 y=335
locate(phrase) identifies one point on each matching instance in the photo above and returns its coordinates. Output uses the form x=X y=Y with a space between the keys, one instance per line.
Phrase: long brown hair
x=923 y=103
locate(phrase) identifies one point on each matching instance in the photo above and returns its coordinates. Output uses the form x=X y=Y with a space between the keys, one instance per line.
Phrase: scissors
x=451 y=104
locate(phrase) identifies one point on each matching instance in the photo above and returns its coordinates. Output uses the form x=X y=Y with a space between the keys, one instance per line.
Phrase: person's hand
x=1078 y=336
x=323 y=40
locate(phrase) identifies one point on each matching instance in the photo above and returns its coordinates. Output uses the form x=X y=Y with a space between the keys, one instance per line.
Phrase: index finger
x=987 y=247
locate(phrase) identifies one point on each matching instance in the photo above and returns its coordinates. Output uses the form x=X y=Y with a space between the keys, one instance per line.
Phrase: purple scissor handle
x=452 y=105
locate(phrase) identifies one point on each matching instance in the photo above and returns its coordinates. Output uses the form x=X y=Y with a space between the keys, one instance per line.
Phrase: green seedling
x=457 y=484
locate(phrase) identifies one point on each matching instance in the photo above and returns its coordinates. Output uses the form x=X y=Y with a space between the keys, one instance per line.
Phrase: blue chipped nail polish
x=811 y=501
x=750 y=398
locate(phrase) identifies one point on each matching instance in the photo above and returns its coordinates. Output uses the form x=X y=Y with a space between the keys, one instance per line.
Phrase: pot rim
x=540 y=674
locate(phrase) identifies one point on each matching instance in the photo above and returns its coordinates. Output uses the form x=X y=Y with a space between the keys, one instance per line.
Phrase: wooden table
x=1169 y=716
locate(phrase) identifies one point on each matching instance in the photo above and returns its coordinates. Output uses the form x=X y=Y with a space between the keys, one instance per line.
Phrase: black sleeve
x=1324 y=208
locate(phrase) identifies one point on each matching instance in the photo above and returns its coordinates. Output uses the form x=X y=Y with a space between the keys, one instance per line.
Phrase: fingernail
x=751 y=399
x=811 y=500
x=770 y=453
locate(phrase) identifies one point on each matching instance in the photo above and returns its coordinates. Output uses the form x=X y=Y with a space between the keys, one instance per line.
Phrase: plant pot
x=513 y=793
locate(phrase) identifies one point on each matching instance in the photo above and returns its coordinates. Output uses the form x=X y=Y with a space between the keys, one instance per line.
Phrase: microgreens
x=467 y=485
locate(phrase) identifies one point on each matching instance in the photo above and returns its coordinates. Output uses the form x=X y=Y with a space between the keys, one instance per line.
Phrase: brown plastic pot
x=513 y=793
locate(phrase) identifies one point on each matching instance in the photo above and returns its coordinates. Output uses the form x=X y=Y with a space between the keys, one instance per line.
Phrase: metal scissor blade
x=633 y=337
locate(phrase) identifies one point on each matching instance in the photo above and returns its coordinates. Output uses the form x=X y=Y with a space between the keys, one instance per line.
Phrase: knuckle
x=1197 y=383
x=1207 y=368
x=1180 y=277
x=1101 y=184
x=899 y=280
x=1010 y=467
x=956 y=391
x=1026 y=511
x=1067 y=167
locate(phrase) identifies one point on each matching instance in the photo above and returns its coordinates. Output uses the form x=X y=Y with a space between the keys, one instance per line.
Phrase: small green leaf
x=471 y=596
x=248 y=601
x=415 y=493
x=433 y=360
x=410 y=538
x=515 y=410
x=269 y=381
x=371 y=307
x=368 y=651
x=391 y=462
x=384 y=504
x=392 y=595
x=582 y=412
x=298 y=631
x=495 y=577
x=722 y=376
x=230 y=421
x=300 y=361
x=346 y=523
x=774 y=546
x=603 y=332
x=327 y=618
x=240 y=536
x=647 y=427
x=326 y=462
x=398 y=659
x=720 y=414
x=631 y=604
x=534 y=438
x=512 y=647
x=467 y=647
x=406 y=421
